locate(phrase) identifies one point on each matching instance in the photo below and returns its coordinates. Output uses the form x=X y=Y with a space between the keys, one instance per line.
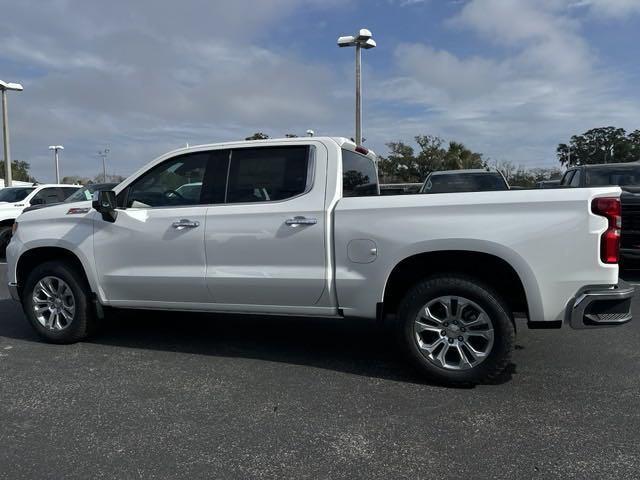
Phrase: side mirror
x=37 y=201
x=105 y=202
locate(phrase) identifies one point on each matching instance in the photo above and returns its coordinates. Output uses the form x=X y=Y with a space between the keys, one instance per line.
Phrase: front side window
x=359 y=175
x=174 y=183
x=268 y=174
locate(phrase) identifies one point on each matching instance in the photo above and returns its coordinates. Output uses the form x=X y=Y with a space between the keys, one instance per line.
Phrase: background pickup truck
x=298 y=227
x=627 y=177
x=14 y=200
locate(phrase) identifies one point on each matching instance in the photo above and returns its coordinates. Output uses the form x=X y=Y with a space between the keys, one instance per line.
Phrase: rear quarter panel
x=549 y=237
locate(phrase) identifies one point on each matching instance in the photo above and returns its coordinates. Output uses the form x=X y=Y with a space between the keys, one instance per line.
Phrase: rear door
x=265 y=246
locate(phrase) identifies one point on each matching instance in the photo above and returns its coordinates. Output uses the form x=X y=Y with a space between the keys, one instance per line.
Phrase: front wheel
x=456 y=330
x=57 y=304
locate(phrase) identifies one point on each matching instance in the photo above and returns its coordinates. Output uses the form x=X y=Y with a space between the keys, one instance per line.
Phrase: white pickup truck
x=297 y=227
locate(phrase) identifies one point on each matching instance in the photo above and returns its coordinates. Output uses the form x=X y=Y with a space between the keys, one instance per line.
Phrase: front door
x=153 y=254
x=265 y=245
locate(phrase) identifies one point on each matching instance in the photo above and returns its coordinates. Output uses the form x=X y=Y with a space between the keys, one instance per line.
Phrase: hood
x=56 y=210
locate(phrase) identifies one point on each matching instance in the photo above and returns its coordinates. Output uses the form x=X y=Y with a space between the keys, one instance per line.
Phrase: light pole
x=103 y=154
x=55 y=149
x=4 y=87
x=360 y=41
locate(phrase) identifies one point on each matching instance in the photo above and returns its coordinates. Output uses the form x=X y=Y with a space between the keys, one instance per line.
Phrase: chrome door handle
x=184 y=223
x=296 y=221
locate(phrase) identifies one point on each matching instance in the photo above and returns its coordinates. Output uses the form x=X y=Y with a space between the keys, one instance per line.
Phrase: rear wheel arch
x=487 y=268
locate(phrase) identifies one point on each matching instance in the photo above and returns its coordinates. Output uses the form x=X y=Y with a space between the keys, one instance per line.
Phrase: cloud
x=146 y=78
x=610 y=8
x=540 y=83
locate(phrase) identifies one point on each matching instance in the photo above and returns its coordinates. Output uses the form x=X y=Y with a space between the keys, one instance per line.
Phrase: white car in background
x=13 y=200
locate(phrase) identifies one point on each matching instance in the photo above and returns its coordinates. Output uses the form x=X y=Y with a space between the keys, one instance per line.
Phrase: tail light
x=610 y=208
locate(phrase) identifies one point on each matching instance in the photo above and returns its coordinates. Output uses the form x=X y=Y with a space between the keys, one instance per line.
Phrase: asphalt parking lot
x=194 y=396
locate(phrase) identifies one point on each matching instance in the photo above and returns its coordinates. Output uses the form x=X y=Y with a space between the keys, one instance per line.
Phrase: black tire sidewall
x=504 y=332
x=5 y=238
x=79 y=327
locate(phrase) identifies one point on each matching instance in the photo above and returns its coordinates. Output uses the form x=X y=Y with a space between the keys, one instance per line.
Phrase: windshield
x=87 y=192
x=464 y=182
x=15 y=194
x=605 y=177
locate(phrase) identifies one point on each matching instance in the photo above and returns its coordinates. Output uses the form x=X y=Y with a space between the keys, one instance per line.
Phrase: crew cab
x=13 y=200
x=298 y=227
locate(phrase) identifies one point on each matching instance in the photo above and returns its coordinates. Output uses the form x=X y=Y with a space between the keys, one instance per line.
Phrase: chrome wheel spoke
x=53 y=303
x=454 y=326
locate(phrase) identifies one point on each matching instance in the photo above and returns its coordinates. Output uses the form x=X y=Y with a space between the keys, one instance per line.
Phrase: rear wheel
x=456 y=330
x=5 y=238
x=57 y=304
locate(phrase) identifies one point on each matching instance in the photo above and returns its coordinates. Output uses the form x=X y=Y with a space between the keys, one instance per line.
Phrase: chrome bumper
x=13 y=291
x=601 y=306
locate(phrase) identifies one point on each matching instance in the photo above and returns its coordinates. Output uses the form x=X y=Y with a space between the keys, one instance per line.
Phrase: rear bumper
x=600 y=306
x=13 y=291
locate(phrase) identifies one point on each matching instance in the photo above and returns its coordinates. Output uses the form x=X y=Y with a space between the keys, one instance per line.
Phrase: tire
x=475 y=319
x=5 y=238
x=71 y=288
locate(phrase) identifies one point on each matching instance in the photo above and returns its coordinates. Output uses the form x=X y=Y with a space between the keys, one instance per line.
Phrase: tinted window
x=46 y=196
x=575 y=181
x=14 y=194
x=267 y=174
x=176 y=182
x=359 y=175
x=464 y=182
x=567 y=177
x=68 y=191
x=86 y=193
x=603 y=177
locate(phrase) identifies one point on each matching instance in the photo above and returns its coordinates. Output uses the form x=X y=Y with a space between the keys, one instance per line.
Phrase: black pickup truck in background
x=627 y=177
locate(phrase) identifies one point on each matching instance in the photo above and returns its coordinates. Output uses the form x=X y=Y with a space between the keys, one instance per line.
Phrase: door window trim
x=311 y=175
x=310 y=182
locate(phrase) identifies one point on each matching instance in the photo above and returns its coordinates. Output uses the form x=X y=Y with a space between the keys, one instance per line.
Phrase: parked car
x=81 y=195
x=16 y=199
x=476 y=180
x=627 y=177
x=298 y=227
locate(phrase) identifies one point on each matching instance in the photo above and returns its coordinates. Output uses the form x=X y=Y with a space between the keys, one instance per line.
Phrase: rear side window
x=47 y=196
x=268 y=174
x=359 y=175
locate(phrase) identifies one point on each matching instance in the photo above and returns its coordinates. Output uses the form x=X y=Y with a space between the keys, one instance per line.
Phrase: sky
x=509 y=78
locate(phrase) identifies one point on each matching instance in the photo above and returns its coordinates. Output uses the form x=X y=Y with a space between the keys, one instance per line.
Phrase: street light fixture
x=55 y=148
x=360 y=41
x=103 y=154
x=4 y=87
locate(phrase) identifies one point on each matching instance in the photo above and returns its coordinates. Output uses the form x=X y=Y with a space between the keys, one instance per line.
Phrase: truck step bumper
x=601 y=306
